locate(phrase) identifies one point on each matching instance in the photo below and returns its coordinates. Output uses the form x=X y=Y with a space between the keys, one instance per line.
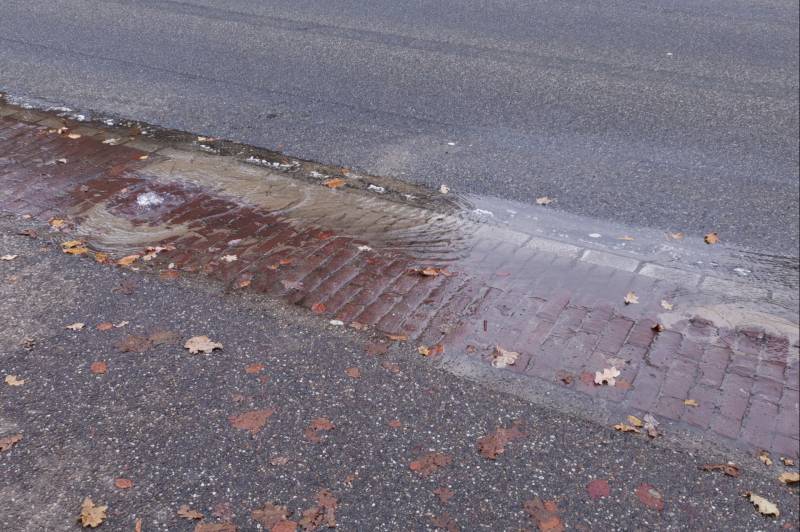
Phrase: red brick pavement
x=565 y=318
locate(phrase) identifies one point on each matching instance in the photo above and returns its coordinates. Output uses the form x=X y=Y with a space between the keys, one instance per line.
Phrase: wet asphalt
x=680 y=116
x=160 y=418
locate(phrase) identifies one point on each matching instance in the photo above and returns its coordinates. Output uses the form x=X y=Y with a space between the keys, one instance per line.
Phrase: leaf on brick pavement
x=789 y=478
x=598 y=488
x=763 y=506
x=201 y=344
x=608 y=376
x=187 y=513
x=502 y=358
x=270 y=515
x=298 y=285
x=544 y=514
x=711 y=238
x=444 y=494
x=445 y=521
x=318 y=426
x=252 y=421
x=429 y=463
x=729 y=469
x=492 y=445
x=7 y=442
x=430 y=271
x=650 y=497
x=631 y=298
x=91 y=515
x=657 y=327
x=229 y=258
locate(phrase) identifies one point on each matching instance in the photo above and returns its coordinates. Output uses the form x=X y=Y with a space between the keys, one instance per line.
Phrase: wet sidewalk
x=706 y=354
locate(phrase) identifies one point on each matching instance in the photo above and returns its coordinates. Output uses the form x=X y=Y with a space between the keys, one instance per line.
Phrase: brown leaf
x=133 y=344
x=7 y=442
x=502 y=358
x=318 y=426
x=335 y=182
x=215 y=527
x=597 y=489
x=431 y=351
x=318 y=308
x=395 y=423
x=391 y=367
x=128 y=260
x=270 y=515
x=91 y=516
x=622 y=427
x=544 y=514
x=187 y=513
x=102 y=258
x=123 y=483
x=32 y=233
x=105 y=326
x=137 y=526
x=353 y=373
x=429 y=463
x=376 y=348
x=254 y=368
x=650 y=497
x=169 y=275
x=252 y=421
x=445 y=522
x=284 y=526
x=492 y=445
x=789 y=478
x=765 y=458
x=99 y=367
x=162 y=337
x=430 y=271
x=201 y=344
x=691 y=402
x=322 y=515
x=397 y=337
x=729 y=469
x=444 y=494
x=279 y=460
x=711 y=238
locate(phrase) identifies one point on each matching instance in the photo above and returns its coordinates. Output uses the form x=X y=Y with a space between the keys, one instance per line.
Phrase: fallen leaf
x=121 y=324
x=279 y=460
x=74 y=136
x=428 y=464
x=445 y=522
x=104 y=326
x=787 y=461
x=544 y=514
x=444 y=189
x=335 y=182
x=187 y=513
x=244 y=283
x=32 y=233
x=635 y=421
x=397 y=337
x=691 y=402
x=651 y=425
x=626 y=238
x=657 y=328
x=215 y=527
x=391 y=367
x=395 y=423
x=353 y=373
x=75 y=326
x=789 y=478
x=544 y=200
x=123 y=483
x=607 y=376
x=9 y=257
x=597 y=489
x=666 y=305
x=765 y=458
x=492 y=445
x=162 y=337
x=112 y=142
x=99 y=367
x=201 y=344
x=430 y=351
x=763 y=506
x=254 y=368
x=133 y=344
x=270 y=515
x=631 y=298
x=137 y=526
x=502 y=358
x=91 y=516
x=430 y=271
x=229 y=258
x=711 y=238
x=729 y=469
x=57 y=223
x=7 y=442
x=622 y=427
x=322 y=515
x=102 y=258
x=12 y=380
x=358 y=326
x=127 y=261
x=444 y=494
x=318 y=425
x=253 y=421
x=650 y=497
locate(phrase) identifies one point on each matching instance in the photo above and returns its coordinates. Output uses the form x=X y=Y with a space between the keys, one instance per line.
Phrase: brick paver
x=566 y=318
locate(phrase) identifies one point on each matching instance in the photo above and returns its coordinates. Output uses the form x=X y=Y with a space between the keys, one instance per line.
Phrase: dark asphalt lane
x=680 y=115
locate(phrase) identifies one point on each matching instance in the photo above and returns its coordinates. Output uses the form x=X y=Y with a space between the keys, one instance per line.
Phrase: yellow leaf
x=711 y=238
x=91 y=516
x=764 y=457
x=622 y=427
x=635 y=421
x=691 y=402
x=57 y=223
x=71 y=244
x=12 y=380
x=127 y=261
x=101 y=257
x=789 y=478
x=76 y=251
x=423 y=350
x=763 y=505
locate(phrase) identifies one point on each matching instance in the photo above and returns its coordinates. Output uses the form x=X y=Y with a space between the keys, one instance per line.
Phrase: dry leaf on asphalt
x=657 y=328
x=187 y=513
x=104 y=326
x=75 y=326
x=444 y=189
x=729 y=469
x=127 y=261
x=608 y=376
x=544 y=200
x=137 y=525
x=429 y=463
x=789 y=478
x=787 y=461
x=635 y=421
x=597 y=489
x=270 y=515
x=675 y=236
x=12 y=380
x=666 y=305
x=544 y=514
x=711 y=238
x=502 y=358
x=765 y=458
x=98 y=368
x=7 y=442
x=318 y=425
x=494 y=444
x=397 y=337
x=444 y=494
x=201 y=344
x=322 y=515
x=353 y=373
x=215 y=527
x=691 y=402
x=335 y=182
x=651 y=425
x=123 y=483
x=763 y=506
x=252 y=421
x=622 y=427
x=446 y=522
x=254 y=368
x=430 y=351
x=9 y=257
x=57 y=223
x=650 y=497
x=631 y=298
x=91 y=516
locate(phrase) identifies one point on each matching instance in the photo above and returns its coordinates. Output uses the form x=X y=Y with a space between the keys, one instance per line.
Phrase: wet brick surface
x=565 y=318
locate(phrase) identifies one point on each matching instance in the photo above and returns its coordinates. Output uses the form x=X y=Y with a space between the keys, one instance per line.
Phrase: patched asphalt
x=161 y=419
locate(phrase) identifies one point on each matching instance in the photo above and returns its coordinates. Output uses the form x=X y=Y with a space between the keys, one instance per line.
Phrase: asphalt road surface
x=679 y=115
